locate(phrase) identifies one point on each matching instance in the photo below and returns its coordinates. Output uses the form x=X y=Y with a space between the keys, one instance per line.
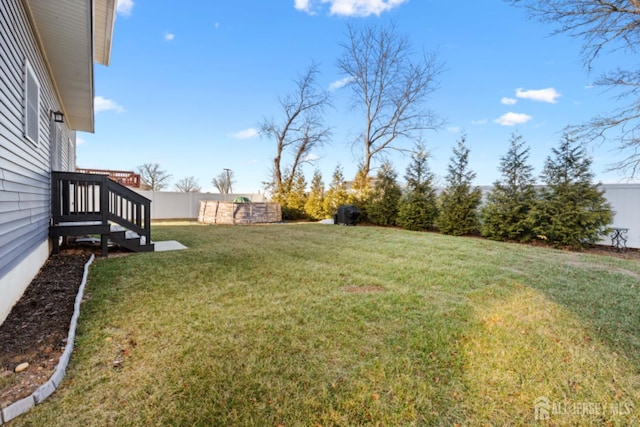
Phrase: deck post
x=104 y=245
x=104 y=199
x=147 y=224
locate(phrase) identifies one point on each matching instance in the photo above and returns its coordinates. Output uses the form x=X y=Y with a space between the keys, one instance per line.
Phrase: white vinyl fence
x=176 y=205
x=624 y=200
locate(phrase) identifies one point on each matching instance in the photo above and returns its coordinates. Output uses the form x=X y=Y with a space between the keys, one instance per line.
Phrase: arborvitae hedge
x=458 y=203
x=505 y=216
x=314 y=206
x=418 y=210
x=571 y=210
x=383 y=206
x=336 y=195
x=293 y=206
x=360 y=194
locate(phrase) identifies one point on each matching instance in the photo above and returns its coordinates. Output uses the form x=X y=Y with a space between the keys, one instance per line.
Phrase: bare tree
x=155 y=178
x=188 y=185
x=392 y=88
x=301 y=128
x=604 y=26
x=224 y=181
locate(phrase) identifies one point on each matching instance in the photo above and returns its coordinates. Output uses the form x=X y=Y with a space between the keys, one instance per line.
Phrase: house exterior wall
x=24 y=165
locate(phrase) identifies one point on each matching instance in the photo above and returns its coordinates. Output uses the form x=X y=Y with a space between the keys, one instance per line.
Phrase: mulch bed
x=630 y=253
x=37 y=327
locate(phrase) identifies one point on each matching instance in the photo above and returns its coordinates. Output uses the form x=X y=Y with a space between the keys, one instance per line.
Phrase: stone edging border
x=45 y=390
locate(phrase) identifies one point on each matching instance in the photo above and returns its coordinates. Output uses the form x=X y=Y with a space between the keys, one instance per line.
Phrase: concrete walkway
x=168 y=245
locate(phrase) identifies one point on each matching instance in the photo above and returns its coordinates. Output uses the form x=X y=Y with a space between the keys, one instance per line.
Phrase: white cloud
x=508 y=101
x=512 y=119
x=245 y=134
x=454 y=129
x=169 y=36
x=338 y=84
x=479 y=122
x=103 y=104
x=124 y=7
x=350 y=7
x=302 y=5
x=549 y=95
x=80 y=141
x=311 y=158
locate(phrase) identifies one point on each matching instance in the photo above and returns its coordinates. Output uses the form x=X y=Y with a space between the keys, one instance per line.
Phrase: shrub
x=418 y=210
x=505 y=216
x=295 y=198
x=458 y=203
x=314 y=206
x=571 y=210
x=337 y=193
x=383 y=207
x=360 y=194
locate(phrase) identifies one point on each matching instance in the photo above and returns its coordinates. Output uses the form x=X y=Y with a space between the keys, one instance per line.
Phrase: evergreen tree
x=505 y=216
x=314 y=207
x=278 y=194
x=336 y=195
x=418 y=210
x=360 y=194
x=383 y=208
x=459 y=201
x=571 y=210
x=290 y=195
x=295 y=198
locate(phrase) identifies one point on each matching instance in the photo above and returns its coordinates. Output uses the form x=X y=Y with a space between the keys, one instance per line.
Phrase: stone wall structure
x=174 y=205
x=221 y=212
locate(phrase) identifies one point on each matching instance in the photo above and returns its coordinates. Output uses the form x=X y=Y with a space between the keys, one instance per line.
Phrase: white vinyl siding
x=25 y=139
x=32 y=105
x=56 y=146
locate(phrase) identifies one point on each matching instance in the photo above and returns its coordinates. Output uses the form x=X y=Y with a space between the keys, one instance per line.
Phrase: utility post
x=228 y=172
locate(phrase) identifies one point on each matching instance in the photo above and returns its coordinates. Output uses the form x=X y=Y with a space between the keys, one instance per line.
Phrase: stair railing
x=80 y=197
x=129 y=209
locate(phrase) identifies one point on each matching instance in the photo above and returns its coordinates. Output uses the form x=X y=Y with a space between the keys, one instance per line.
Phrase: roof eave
x=66 y=31
x=104 y=20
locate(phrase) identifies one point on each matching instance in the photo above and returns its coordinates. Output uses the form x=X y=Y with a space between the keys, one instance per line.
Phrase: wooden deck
x=126 y=178
x=85 y=204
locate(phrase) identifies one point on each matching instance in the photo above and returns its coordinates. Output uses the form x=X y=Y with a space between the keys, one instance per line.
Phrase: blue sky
x=190 y=82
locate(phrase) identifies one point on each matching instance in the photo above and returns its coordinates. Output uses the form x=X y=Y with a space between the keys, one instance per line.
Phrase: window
x=32 y=105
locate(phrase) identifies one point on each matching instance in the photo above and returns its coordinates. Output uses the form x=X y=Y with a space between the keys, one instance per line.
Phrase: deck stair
x=129 y=239
x=90 y=204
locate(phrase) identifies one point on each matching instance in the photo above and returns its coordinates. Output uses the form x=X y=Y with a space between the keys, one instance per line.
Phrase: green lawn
x=316 y=325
